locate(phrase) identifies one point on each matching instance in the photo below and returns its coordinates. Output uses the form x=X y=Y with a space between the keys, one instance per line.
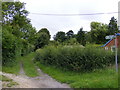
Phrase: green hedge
x=13 y=47
x=9 y=42
x=75 y=58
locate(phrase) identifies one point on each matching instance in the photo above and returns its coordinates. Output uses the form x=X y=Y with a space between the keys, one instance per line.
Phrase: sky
x=54 y=23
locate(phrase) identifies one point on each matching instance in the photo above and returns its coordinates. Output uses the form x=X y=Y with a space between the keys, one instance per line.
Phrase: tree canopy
x=81 y=37
x=60 y=36
x=112 y=26
x=17 y=31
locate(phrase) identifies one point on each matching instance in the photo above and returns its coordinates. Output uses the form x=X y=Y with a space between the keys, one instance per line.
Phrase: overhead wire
x=82 y=14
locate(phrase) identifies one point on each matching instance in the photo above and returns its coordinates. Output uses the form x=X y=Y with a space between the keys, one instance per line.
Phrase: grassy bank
x=28 y=65
x=106 y=78
x=14 y=68
x=6 y=82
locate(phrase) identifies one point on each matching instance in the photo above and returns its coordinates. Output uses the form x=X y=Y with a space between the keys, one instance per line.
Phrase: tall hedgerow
x=75 y=58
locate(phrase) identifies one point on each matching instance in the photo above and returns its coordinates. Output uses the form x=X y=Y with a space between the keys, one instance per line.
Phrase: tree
x=31 y=36
x=71 y=41
x=15 y=15
x=29 y=33
x=81 y=37
x=42 y=40
x=98 y=32
x=11 y=47
x=88 y=37
x=70 y=34
x=17 y=31
x=112 y=27
x=13 y=11
x=45 y=30
x=15 y=19
x=60 y=36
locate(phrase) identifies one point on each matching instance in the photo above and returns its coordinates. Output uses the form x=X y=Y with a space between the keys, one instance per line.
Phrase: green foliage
x=81 y=37
x=70 y=34
x=75 y=58
x=88 y=37
x=28 y=65
x=18 y=35
x=15 y=15
x=54 y=43
x=44 y=30
x=12 y=67
x=98 y=32
x=12 y=84
x=26 y=47
x=71 y=41
x=112 y=27
x=96 y=35
x=9 y=81
x=42 y=40
x=9 y=46
x=13 y=47
x=60 y=36
x=4 y=78
x=102 y=78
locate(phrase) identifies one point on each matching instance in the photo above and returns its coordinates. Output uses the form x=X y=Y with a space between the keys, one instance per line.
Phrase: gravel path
x=41 y=81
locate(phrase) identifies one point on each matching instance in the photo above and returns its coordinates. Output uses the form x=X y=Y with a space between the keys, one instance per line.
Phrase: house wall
x=118 y=40
x=108 y=46
x=112 y=43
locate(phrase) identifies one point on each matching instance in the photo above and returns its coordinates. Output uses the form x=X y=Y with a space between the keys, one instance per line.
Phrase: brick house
x=110 y=45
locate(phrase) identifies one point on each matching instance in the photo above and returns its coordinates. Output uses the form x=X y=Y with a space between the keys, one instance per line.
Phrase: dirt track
x=42 y=81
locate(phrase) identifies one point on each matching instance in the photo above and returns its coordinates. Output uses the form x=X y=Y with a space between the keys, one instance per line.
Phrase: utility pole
x=116 y=59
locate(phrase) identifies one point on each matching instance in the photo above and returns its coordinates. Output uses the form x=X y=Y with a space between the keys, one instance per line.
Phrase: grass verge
x=8 y=82
x=28 y=65
x=106 y=78
x=15 y=68
x=4 y=78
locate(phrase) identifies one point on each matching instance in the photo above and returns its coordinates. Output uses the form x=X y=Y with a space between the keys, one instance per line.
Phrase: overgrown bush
x=13 y=47
x=26 y=47
x=75 y=58
x=9 y=47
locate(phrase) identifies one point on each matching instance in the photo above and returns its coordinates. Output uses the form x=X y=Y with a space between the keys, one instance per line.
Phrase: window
x=106 y=48
x=113 y=48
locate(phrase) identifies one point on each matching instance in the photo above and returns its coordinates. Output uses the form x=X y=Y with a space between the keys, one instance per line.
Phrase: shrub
x=9 y=42
x=13 y=47
x=75 y=57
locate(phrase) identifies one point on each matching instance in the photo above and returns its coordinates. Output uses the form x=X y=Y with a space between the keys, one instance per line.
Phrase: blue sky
x=66 y=23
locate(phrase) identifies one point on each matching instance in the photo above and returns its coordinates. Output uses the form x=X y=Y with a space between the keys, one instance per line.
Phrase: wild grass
x=4 y=78
x=14 y=68
x=10 y=82
x=101 y=78
x=28 y=65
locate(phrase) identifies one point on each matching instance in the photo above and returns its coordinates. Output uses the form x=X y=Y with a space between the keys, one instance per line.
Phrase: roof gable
x=117 y=34
x=107 y=43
